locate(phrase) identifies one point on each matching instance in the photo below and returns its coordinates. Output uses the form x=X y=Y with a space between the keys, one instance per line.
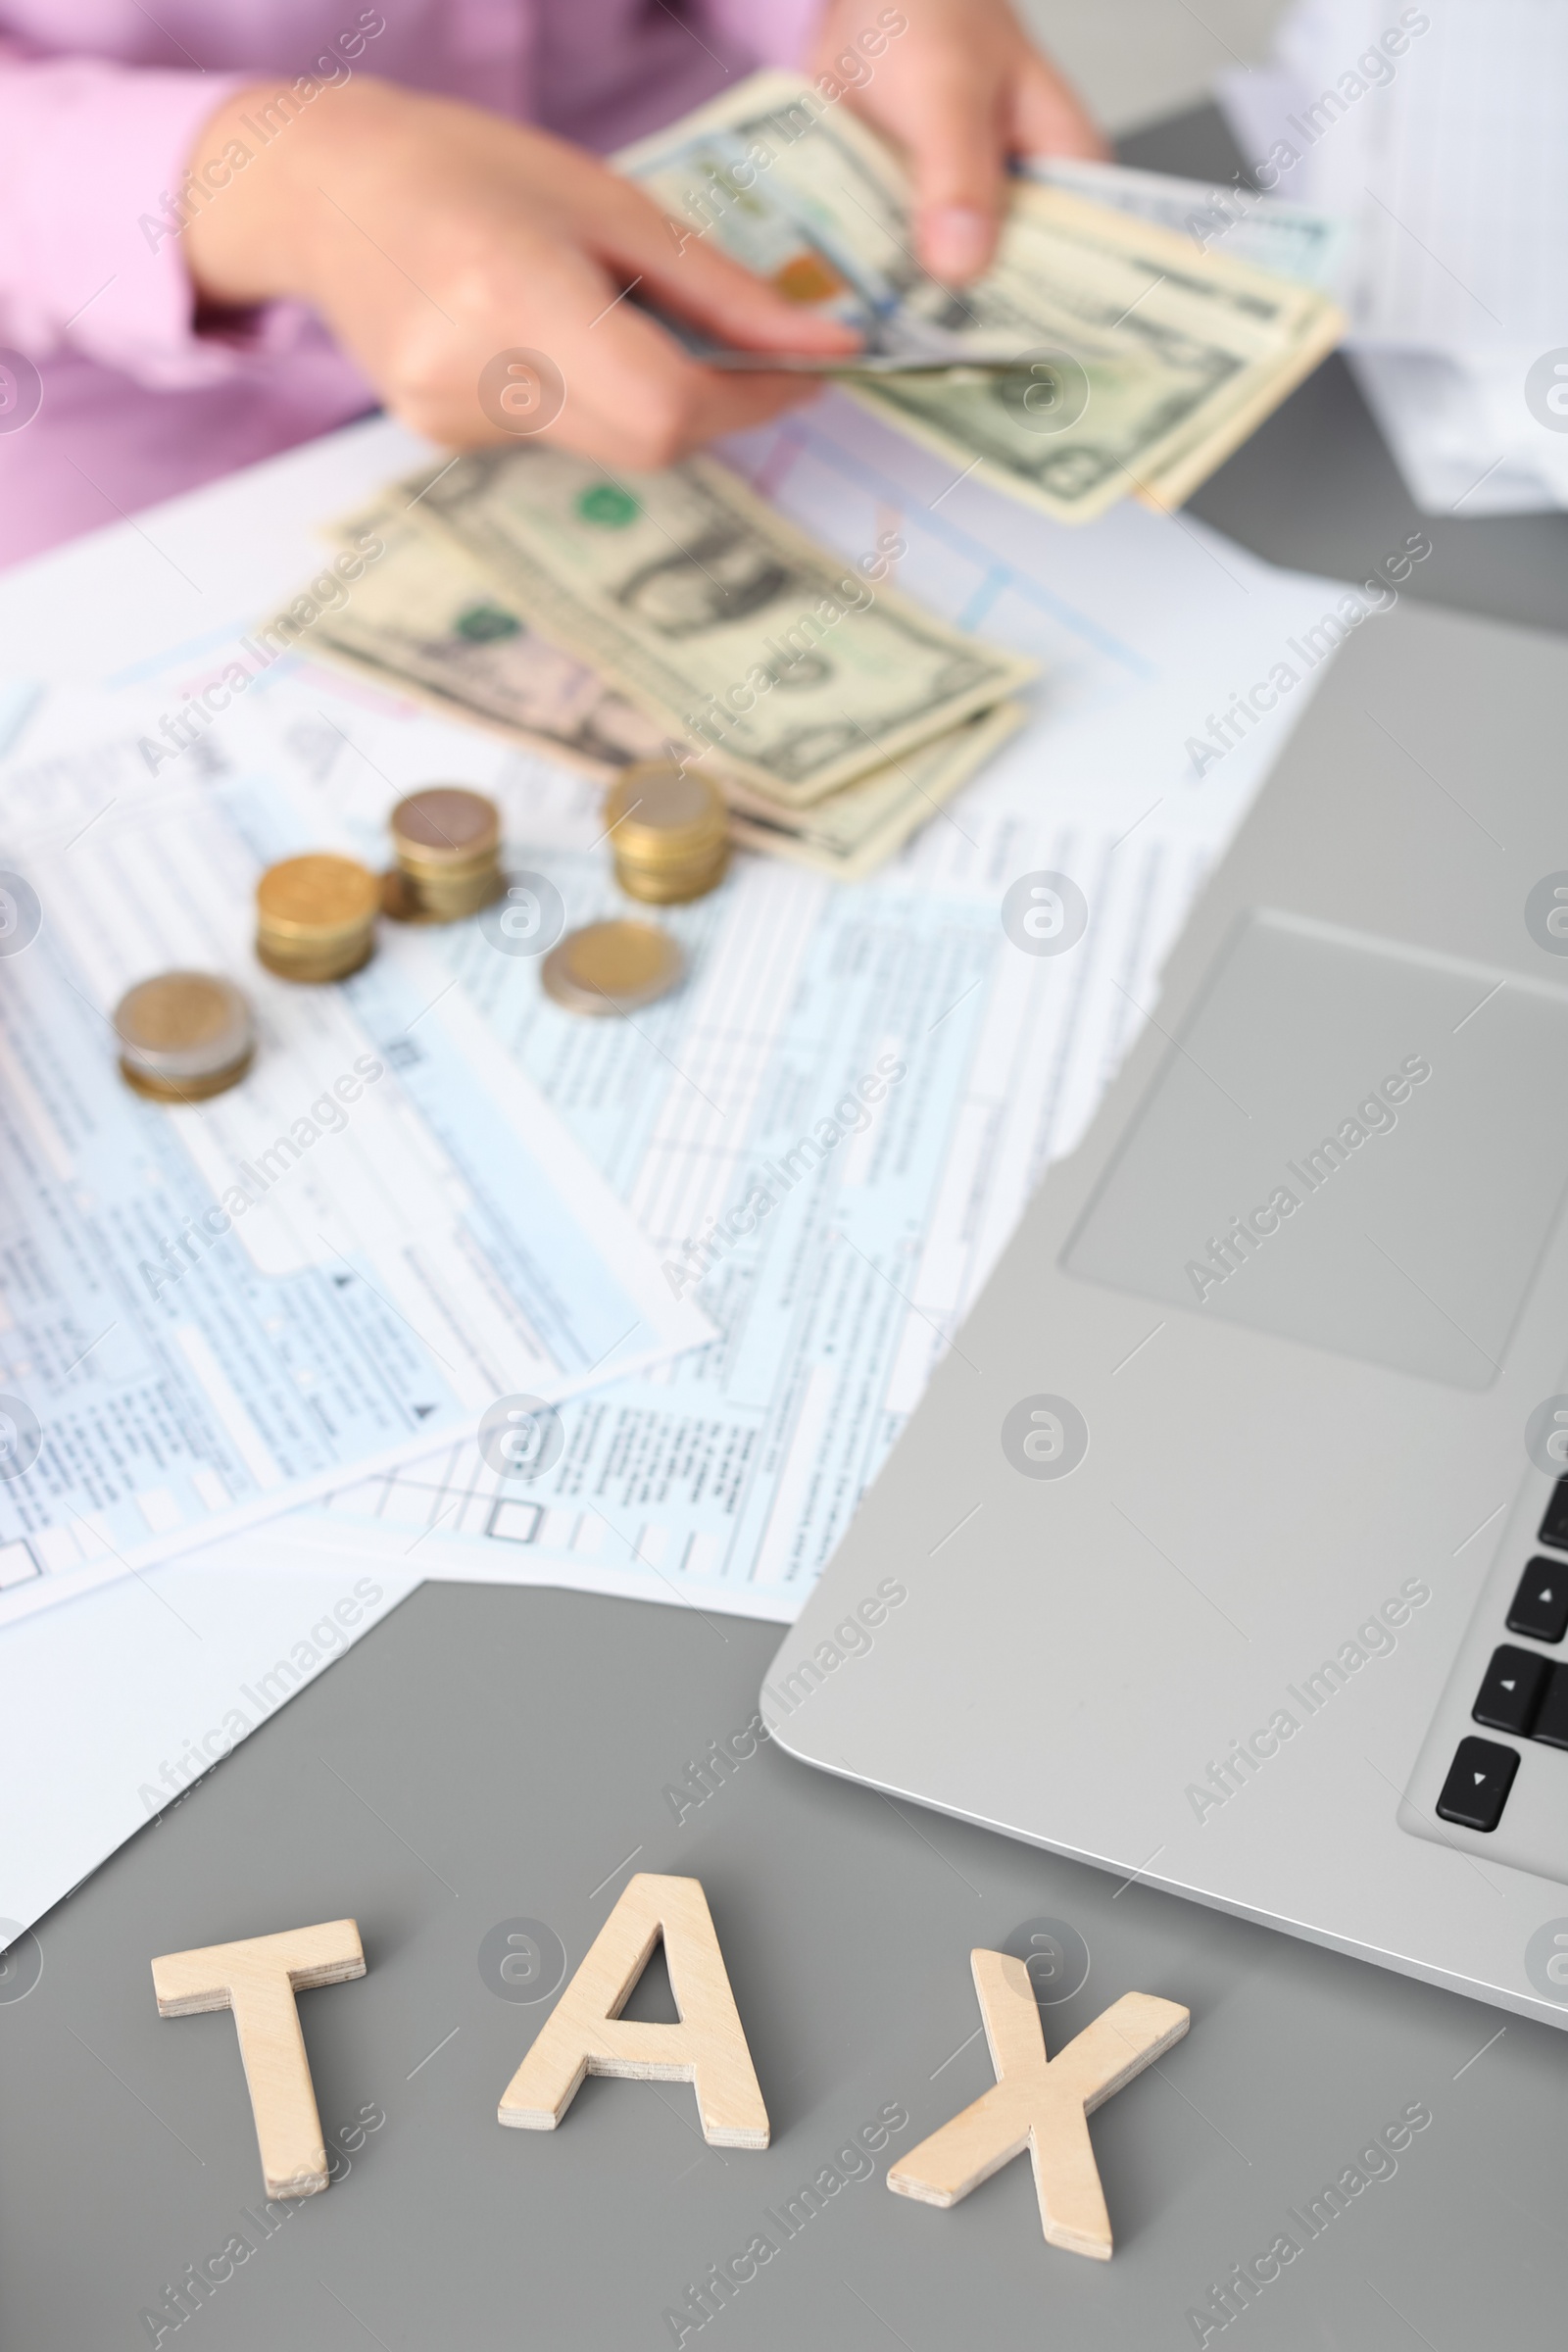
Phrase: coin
x=611 y=967
x=399 y=899
x=409 y=898
x=316 y=899
x=315 y=916
x=445 y=825
x=668 y=831
x=183 y=1035
x=447 y=844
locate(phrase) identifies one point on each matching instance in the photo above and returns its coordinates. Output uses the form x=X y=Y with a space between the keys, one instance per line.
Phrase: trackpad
x=1351 y=1144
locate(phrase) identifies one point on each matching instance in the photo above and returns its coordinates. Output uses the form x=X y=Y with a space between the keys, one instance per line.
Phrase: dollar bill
x=764 y=655
x=1140 y=360
x=1294 y=240
x=864 y=824
x=427 y=619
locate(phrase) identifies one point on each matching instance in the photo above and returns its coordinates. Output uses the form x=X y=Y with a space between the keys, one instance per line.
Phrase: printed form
x=829 y=1133
x=210 y=1312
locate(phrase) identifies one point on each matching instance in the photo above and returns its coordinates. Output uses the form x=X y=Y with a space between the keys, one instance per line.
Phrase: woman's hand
x=432 y=237
x=960 y=89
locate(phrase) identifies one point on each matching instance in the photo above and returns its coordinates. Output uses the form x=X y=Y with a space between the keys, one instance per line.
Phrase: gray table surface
x=488 y=1756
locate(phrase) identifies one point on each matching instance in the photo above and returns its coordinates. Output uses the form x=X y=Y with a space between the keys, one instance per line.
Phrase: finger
x=1049 y=118
x=634 y=396
x=953 y=132
x=686 y=269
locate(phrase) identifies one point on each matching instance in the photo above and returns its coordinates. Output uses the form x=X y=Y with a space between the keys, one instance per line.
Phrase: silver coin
x=182 y=1026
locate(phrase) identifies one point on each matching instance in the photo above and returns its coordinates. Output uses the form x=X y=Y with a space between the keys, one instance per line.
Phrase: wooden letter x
x=258 y=1980
x=1041 y=2106
x=586 y=2035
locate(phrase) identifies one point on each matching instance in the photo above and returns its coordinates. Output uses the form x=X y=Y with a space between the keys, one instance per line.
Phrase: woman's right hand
x=432 y=237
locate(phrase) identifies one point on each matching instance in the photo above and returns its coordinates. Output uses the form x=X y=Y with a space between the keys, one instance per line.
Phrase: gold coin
x=445 y=825
x=401 y=900
x=611 y=967
x=412 y=899
x=316 y=899
x=668 y=831
x=314 y=967
x=183 y=1035
x=654 y=806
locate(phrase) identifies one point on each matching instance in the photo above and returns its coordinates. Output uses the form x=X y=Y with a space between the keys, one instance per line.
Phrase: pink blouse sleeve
x=777 y=32
x=93 y=158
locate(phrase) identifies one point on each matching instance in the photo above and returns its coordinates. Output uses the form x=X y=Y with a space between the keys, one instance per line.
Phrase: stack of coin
x=669 y=831
x=447 y=844
x=315 y=918
x=611 y=967
x=183 y=1035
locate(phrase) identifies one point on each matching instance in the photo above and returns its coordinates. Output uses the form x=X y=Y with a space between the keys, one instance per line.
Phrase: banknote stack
x=612 y=618
x=675 y=617
x=1104 y=354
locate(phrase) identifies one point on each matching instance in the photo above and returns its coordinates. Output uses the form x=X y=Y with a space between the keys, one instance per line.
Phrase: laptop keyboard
x=1523 y=1693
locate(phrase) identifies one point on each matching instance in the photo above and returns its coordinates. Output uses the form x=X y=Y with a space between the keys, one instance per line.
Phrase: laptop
x=1228 y=1550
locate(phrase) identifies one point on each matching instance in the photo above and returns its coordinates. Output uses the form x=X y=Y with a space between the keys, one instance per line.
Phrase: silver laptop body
x=1227 y=1545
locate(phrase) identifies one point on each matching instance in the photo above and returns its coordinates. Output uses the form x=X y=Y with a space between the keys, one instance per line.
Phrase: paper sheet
x=726 y=1477
x=212 y=1311
x=1460 y=433
x=1439 y=133
x=1445 y=152
x=113 y=1704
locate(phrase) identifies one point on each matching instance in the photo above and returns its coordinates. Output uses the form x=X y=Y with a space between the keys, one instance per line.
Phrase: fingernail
x=957 y=240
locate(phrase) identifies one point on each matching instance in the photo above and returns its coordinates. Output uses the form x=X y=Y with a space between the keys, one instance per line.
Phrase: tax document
x=209 y=1312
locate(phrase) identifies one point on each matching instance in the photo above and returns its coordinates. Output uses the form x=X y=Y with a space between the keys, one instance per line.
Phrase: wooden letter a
x=1039 y=2106
x=258 y=1980
x=585 y=2034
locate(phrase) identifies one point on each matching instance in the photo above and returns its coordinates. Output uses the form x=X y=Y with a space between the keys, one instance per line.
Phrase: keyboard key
x=1478 y=1785
x=1551 y=1718
x=1540 y=1605
x=1554 y=1526
x=1511 y=1691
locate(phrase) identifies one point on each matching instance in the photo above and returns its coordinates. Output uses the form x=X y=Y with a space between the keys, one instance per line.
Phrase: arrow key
x=1511 y=1693
x=1539 y=1609
x=1478 y=1785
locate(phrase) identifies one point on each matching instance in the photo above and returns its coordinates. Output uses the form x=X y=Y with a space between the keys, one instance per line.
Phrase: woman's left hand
x=961 y=88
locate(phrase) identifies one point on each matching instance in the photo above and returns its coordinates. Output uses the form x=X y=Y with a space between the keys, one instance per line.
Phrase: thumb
x=956 y=153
